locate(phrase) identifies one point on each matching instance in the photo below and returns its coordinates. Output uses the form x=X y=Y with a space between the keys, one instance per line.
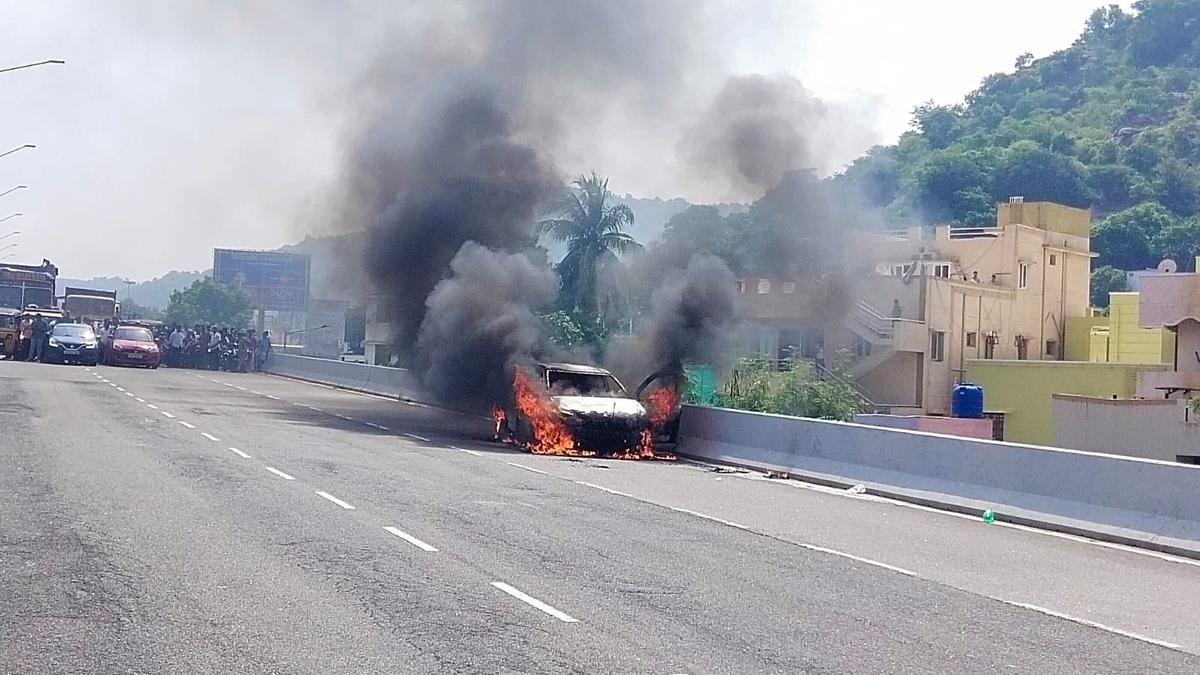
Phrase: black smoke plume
x=478 y=320
x=466 y=180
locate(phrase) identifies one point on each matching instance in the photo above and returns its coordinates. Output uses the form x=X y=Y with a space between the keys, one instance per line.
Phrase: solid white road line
x=1100 y=626
x=281 y=474
x=469 y=452
x=209 y=436
x=140 y=400
x=187 y=424
x=528 y=468
x=601 y=487
x=167 y=414
x=708 y=517
x=419 y=438
x=534 y=602
x=411 y=539
x=335 y=500
x=239 y=453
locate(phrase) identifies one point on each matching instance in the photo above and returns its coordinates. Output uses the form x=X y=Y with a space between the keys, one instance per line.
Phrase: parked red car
x=132 y=346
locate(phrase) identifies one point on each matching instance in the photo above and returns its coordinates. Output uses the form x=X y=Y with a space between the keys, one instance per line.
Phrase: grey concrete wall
x=1121 y=494
x=1150 y=428
x=396 y=382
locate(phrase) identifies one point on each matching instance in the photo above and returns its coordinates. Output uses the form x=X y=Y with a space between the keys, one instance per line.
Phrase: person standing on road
x=263 y=350
x=245 y=345
x=37 y=343
x=214 y=349
x=175 y=347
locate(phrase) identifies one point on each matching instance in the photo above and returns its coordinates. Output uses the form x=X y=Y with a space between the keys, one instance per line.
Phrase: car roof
x=9 y=311
x=64 y=323
x=575 y=368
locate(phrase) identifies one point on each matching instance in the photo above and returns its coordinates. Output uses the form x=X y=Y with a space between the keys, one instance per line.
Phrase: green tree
x=209 y=301
x=1121 y=244
x=594 y=231
x=1040 y=175
x=1179 y=188
x=792 y=391
x=1105 y=280
x=1179 y=242
x=938 y=123
x=949 y=186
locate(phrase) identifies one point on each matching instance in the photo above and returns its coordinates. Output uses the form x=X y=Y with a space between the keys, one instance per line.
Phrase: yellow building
x=1118 y=337
x=925 y=300
x=1022 y=392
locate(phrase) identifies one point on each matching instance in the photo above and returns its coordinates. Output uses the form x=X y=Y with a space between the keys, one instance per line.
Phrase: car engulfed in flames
x=581 y=411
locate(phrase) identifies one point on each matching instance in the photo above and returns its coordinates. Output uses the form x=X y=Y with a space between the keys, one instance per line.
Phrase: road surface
x=191 y=522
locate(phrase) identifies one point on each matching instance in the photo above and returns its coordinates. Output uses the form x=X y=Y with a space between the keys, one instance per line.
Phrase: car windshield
x=133 y=333
x=73 y=330
x=583 y=384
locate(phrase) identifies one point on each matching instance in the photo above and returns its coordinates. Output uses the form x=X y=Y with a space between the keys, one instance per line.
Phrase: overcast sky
x=176 y=127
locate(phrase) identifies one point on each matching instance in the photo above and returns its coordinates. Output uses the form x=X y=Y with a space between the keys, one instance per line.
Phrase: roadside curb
x=973 y=507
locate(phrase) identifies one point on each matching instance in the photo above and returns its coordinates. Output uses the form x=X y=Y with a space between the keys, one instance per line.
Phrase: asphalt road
x=185 y=522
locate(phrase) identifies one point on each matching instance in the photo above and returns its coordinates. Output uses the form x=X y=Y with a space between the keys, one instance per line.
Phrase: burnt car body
x=600 y=414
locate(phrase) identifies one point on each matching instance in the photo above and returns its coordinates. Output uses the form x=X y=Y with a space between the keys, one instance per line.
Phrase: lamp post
x=286 y=333
x=31 y=65
x=12 y=245
x=7 y=256
x=19 y=187
x=11 y=234
x=20 y=147
x=15 y=215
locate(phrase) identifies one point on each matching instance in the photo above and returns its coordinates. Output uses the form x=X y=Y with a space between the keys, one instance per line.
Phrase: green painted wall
x=1023 y=390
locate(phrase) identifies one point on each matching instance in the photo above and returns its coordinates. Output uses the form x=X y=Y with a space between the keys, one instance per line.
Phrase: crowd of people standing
x=215 y=348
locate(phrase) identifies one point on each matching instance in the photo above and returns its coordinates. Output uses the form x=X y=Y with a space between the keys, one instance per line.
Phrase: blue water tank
x=967 y=401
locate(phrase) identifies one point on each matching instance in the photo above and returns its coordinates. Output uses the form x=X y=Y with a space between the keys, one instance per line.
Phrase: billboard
x=277 y=281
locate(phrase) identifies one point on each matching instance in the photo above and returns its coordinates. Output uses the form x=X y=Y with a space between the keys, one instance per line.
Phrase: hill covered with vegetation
x=1110 y=123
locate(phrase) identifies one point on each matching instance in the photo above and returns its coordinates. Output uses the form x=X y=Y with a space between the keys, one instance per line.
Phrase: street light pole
x=31 y=65
x=7 y=256
x=10 y=234
x=19 y=187
x=15 y=215
x=12 y=245
x=27 y=145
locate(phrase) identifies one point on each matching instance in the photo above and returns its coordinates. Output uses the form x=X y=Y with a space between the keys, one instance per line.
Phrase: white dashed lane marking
x=282 y=475
x=167 y=414
x=419 y=438
x=187 y=425
x=411 y=539
x=151 y=406
x=209 y=436
x=239 y=453
x=335 y=500
x=534 y=602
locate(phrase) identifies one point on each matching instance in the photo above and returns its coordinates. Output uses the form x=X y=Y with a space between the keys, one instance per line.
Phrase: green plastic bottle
x=989 y=516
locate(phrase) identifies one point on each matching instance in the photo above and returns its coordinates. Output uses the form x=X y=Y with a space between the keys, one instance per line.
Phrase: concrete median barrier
x=1135 y=501
x=396 y=382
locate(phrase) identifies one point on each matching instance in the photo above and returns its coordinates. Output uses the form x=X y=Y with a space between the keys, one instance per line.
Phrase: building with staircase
x=922 y=301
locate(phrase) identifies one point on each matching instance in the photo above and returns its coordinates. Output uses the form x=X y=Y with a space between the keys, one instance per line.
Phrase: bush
x=794 y=390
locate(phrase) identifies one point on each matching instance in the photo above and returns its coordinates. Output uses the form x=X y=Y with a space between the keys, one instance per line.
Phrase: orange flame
x=661 y=404
x=550 y=434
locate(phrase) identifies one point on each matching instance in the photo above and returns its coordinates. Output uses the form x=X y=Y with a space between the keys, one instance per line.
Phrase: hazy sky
x=177 y=126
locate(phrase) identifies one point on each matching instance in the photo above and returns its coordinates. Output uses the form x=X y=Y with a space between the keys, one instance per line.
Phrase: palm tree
x=593 y=230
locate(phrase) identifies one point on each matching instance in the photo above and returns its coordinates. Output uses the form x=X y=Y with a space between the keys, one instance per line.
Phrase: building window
x=937 y=346
x=899 y=270
x=1023 y=276
x=940 y=270
x=789 y=287
x=764 y=286
x=741 y=286
x=1053 y=259
x=1051 y=347
x=971 y=340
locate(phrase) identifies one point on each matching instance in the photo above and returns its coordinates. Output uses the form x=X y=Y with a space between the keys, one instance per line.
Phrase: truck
x=87 y=305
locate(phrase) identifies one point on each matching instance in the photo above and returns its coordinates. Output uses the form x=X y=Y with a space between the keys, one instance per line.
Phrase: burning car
x=570 y=409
